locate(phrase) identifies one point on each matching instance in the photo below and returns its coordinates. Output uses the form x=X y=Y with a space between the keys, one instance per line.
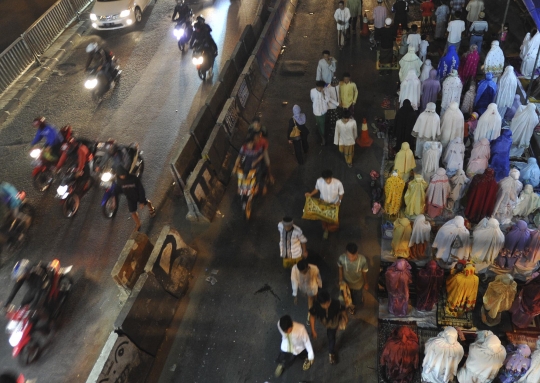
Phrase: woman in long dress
x=481 y=196
x=415 y=196
x=530 y=52
x=451 y=90
x=410 y=89
x=437 y=193
x=452 y=124
x=398 y=277
x=522 y=127
x=469 y=66
x=430 y=159
x=494 y=62
x=453 y=156
x=500 y=154
x=448 y=63
x=404 y=122
x=489 y=124
x=458 y=184
x=430 y=89
x=486 y=356
x=452 y=242
x=408 y=62
x=420 y=237
x=507 y=197
x=487 y=89
x=426 y=68
x=488 y=240
x=461 y=290
x=506 y=90
x=478 y=162
x=426 y=128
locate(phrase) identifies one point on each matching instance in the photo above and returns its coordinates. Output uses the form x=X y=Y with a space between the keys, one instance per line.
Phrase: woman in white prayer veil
x=425 y=70
x=507 y=197
x=420 y=237
x=489 y=124
x=451 y=90
x=522 y=127
x=452 y=124
x=408 y=62
x=467 y=103
x=478 y=162
x=523 y=47
x=488 y=240
x=454 y=155
x=410 y=89
x=494 y=62
x=426 y=128
x=452 y=242
x=531 y=49
x=442 y=356
x=486 y=357
x=437 y=193
x=506 y=90
x=430 y=159
x=527 y=203
x=533 y=373
x=458 y=185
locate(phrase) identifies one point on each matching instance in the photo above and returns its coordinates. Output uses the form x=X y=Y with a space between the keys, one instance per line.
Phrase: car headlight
x=90 y=84
x=93 y=17
x=62 y=189
x=15 y=338
x=35 y=153
x=125 y=13
x=106 y=177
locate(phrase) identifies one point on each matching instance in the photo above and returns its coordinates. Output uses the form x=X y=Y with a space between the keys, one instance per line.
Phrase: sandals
x=307 y=365
x=152 y=212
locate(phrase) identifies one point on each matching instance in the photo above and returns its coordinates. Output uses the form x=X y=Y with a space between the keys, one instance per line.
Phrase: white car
x=115 y=14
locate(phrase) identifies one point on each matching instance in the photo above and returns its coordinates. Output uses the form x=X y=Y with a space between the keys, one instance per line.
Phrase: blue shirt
x=50 y=134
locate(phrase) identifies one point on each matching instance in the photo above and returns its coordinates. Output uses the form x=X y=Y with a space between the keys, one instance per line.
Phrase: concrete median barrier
x=216 y=99
x=186 y=160
x=202 y=126
x=228 y=76
x=131 y=262
x=248 y=38
x=239 y=56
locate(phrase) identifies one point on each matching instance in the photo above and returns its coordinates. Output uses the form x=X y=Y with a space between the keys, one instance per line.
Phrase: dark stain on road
x=266 y=288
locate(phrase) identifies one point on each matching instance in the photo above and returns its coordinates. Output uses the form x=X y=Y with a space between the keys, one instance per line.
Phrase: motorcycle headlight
x=35 y=153
x=200 y=60
x=11 y=326
x=106 y=177
x=62 y=189
x=15 y=338
x=93 y=17
x=90 y=84
x=178 y=33
x=194 y=60
x=125 y=13
x=197 y=60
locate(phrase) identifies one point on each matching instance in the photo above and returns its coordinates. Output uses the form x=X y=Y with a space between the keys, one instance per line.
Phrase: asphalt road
x=155 y=102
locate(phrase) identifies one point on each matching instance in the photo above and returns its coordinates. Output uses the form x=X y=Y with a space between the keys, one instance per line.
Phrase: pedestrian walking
x=342 y=17
x=457 y=6
x=345 y=136
x=355 y=8
x=331 y=313
x=320 y=107
x=331 y=191
x=441 y=13
x=326 y=68
x=297 y=134
x=455 y=29
x=353 y=268
x=386 y=52
x=401 y=10
x=295 y=344
x=379 y=17
x=478 y=28
x=474 y=8
x=256 y=127
x=306 y=278
x=131 y=186
x=292 y=243
x=334 y=110
x=348 y=93
x=414 y=39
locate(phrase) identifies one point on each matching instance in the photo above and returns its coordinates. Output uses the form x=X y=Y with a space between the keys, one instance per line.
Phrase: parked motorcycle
x=248 y=188
x=183 y=31
x=203 y=61
x=23 y=323
x=71 y=190
x=99 y=81
x=19 y=220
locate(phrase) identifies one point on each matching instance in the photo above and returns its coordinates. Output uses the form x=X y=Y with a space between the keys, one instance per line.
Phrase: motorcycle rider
x=182 y=10
x=201 y=35
x=53 y=139
x=38 y=282
x=76 y=151
x=100 y=58
x=121 y=156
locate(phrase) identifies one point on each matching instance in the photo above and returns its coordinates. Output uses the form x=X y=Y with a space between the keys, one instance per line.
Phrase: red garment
x=527 y=304
x=83 y=155
x=481 y=196
x=468 y=66
x=261 y=143
x=400 y=355
x=398 y=276
x=427 y=8
x=428 y=286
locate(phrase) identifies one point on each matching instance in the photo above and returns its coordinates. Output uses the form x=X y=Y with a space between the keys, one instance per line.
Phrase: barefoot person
x=132 y=188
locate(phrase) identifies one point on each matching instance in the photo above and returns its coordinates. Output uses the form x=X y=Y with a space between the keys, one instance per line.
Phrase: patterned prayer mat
x=533 y=329
x=316 y=209
x=520 y=338
x=393 y=66
x=445 y=320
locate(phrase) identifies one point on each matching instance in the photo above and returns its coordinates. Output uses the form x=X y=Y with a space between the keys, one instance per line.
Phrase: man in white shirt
x=334 y=100
x=477 y=29
x=342 y=17
x=295 y=343
x=474 y=8
x=326 y=68
x=455 y=28
x=345 y=136
x=320 y=107
x=292 y=243
x=379 y=16
x=413 y=39
x=331 y=191
x=306 y=278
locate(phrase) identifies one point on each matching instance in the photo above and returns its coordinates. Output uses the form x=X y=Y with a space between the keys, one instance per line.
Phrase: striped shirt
x=290 y=242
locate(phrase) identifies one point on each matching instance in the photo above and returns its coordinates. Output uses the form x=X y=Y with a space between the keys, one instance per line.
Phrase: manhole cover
x=294 y=67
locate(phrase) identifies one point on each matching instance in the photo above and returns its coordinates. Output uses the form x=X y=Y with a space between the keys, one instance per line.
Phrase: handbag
x=295 y=131
x=387 y=230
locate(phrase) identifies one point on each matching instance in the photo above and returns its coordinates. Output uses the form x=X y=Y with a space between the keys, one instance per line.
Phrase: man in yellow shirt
x=348 y=93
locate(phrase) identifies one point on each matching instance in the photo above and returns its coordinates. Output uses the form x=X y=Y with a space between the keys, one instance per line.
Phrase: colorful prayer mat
x=318 y=210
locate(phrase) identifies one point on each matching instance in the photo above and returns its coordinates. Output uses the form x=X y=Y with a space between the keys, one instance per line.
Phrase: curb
x=41 y=75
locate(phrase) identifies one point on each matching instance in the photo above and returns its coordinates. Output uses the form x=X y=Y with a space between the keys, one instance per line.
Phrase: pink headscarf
x=469 y=65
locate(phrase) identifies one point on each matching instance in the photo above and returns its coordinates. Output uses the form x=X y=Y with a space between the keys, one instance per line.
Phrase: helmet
x=92 y=47
x=20 y=269
x=111 y=146
x=200 y=18
x=39 y=122
x=66 y=132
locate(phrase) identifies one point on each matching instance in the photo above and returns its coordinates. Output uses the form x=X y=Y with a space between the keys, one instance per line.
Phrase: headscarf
x=478 y=162
x=511 y=112
x=527 y=203
x=507 y=88
x=489 y=124
x=438 y=189
x=458 y=185
x=454 y=156
x=523 y=47
x=500 y=154
x=398 y=277
x=430 y=159
x=298 y=116
x=404 y=122
x=410 y=89
x=530 y=174
x=400 y=353
x=442 y=356
x=488 y=240
x=481 y=196
x=404 y=161
x=467 y=104
x=452 y=124
x=429 y=282
x=469 y=66
x=518 y=238
x=426 y=69
x=421 y=231
x=447 y=234
x=494 y=62
x=500 y=295
x=486 y=356
x=430 y=89
x=408 y=62
x=485 y=84
x=451 y=90
x=427 y=126
x=448 y=63
x=523 y=124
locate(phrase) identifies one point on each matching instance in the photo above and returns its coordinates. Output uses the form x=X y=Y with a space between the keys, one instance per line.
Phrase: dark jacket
x=132 y=188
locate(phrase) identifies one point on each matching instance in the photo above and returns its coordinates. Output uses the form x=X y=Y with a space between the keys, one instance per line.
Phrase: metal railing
x=25 y=51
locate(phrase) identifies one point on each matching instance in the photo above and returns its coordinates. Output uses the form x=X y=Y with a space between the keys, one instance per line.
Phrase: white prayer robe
x=408 y=62
x=410 y=89
x=445 y=238
x=507 y=197
x=489 y=124
x=522 y=127
x=442 y=356
x=452 y=123
x=458 y=185
x=486 y=357
x=488 y=240
x=451 y=90
x=426 y=128
x=430 y=159
x=454 y=156
x=506 y=90
x=425 y=70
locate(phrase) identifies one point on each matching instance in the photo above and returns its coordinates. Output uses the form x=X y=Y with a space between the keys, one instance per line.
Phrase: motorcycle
x=99 y=82
x=248 y=187
x=109 y=202
x=19 y=220
x=203 y=61
x=71 y=190
x=43 y=162
x=183 y=31
x=22 y=325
